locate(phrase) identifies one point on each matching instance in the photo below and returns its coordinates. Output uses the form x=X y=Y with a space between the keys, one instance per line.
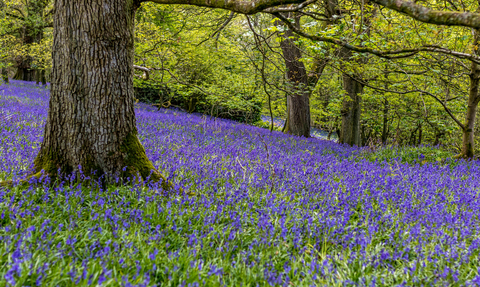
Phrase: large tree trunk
x=91 y=119
x=468 y=143
x=298 y=121
x=298 y=99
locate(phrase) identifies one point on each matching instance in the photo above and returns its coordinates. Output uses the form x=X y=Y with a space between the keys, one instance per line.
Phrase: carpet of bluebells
x=264 y=209
x=314 y=132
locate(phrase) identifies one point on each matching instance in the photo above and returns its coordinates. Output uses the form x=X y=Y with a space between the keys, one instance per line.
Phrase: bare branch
x=217 y=32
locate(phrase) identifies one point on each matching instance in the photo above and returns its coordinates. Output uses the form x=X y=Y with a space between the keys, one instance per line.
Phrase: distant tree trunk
x=298 y=101
x=43 y=78
x=351 y=107
x=5 y=75
x=385 y=110
x=468 y=143
x=385 y=122
x=91 y=120
x=37 y=78
x=285 y=124
x=24 y=72
x=351 y=110
x=40 y=77
x=420 y=134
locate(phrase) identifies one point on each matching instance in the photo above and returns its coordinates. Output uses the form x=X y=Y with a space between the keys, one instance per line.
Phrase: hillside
x=263 y=208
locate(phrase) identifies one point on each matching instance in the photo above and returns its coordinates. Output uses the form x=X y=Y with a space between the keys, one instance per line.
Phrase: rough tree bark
x=91 y=120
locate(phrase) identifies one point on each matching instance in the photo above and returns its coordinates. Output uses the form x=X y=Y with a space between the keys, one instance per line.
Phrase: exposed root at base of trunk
x=137 y=162
x=138 y=168
x=22 y=183
x=463 y=156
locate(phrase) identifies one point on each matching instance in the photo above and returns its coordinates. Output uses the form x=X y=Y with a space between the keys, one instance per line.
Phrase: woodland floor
x=267 y=209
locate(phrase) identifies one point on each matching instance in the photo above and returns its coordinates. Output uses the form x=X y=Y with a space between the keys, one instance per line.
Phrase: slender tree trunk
x=420 y=134
x=37 y=78
x=468 y=143
x=40 y=77
x=385 y=110
x=385 y=122
x=285 y=124
x=43 y=78
x=91 y=120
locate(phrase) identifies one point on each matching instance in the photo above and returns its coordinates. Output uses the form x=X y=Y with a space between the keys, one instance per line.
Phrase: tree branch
x=289 y=9
x=239 y=6
x=146 y=71
x=394 y=54
x=217 y=32
x=14 y=16
x=427 y=15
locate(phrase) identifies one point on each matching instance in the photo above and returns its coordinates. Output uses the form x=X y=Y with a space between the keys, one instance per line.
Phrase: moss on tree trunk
x=137 y=162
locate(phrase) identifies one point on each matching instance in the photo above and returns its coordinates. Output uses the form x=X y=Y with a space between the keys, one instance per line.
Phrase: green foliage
x=26 y=34
x=237 y=107
x=266 y=125
x=212 y=78
x=408 y=154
